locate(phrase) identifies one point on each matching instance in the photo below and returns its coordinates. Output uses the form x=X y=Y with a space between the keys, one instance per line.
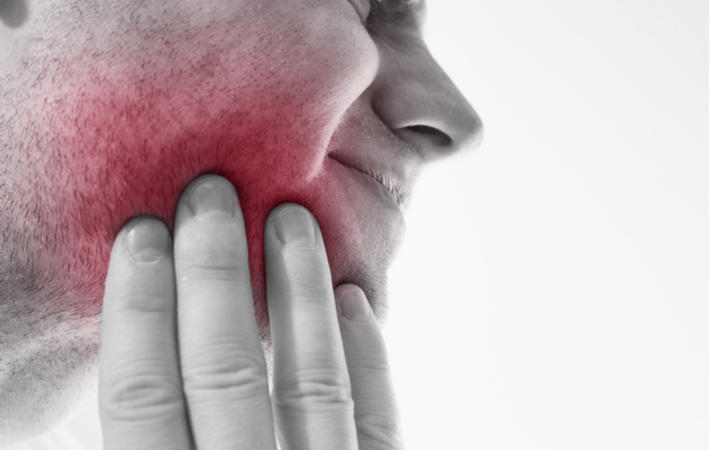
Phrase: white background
x=552 y=291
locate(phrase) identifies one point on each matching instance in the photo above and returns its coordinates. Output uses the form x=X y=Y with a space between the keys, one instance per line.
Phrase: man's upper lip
x=387 y=179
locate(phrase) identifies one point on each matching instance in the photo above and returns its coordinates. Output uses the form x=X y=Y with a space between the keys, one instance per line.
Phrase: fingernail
x=148 y=241
x=295 y=227
x=213 y=200
x=354 y=305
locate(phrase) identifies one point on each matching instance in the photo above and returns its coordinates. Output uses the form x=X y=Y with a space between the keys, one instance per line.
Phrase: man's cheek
x=124 y=136
x=118 y=153
x=128 y=158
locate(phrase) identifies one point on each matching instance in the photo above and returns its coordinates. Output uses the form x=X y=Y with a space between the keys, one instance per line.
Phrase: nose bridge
x=419 y=101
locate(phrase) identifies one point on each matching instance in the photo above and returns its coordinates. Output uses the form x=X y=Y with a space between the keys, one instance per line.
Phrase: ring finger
x=313 y=406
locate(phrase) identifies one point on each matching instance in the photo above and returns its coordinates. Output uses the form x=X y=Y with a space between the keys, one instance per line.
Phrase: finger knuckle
x=233 y=377
x=215 y=266
x=314 y=294
x=140 y=397
x=376 y=362
x=314 y=388
x=379 y=431
x=144 y=302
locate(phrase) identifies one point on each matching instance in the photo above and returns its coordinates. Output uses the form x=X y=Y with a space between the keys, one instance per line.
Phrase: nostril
x=436 y=137
x=13 y=13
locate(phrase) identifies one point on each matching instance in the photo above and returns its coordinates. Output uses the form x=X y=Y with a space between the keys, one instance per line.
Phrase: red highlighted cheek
x=121 y=155
x=124 y=137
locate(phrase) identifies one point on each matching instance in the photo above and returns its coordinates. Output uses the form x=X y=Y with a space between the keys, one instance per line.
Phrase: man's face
x=109 y=109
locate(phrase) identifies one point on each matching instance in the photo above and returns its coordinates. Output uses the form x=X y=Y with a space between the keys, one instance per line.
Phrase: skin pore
x=109 y=109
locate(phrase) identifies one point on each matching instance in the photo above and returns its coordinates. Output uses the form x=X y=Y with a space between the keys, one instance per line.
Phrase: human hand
x=181 y=361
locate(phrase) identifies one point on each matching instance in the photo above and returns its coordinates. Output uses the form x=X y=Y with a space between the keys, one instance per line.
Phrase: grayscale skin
x=110 y=114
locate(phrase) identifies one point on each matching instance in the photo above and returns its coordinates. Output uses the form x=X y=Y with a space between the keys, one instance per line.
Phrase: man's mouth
x=394 y=189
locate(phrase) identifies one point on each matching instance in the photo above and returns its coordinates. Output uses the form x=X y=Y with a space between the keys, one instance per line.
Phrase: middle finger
x=222 y=362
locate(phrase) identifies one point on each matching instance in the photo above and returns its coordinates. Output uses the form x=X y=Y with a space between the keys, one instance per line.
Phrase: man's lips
x=389 y=183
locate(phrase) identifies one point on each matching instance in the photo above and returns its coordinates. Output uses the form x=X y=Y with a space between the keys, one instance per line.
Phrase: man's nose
x=418 y=101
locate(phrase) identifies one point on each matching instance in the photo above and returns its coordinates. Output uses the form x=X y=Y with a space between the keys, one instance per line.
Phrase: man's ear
x=13 y=13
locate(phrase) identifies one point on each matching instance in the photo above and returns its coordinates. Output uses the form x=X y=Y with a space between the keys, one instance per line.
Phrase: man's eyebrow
x=396 y=12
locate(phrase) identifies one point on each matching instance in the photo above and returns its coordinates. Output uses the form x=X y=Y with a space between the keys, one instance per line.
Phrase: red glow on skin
x=127 y=149
x=136 y=161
